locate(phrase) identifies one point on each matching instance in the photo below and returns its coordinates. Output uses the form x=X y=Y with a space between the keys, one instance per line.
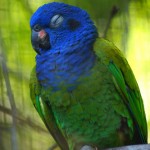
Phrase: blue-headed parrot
x=82 y=85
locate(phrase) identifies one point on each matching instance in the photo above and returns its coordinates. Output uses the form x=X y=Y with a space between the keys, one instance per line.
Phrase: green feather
x=125 y=83
x=38 y=107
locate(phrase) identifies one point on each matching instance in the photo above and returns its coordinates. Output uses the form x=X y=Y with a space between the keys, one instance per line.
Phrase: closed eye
x=56 y=21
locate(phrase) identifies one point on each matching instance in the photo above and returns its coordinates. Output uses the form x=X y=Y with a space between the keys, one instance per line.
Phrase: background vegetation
x=124 y=22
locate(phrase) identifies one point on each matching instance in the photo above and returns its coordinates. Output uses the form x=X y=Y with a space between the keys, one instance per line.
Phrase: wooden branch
x=22 y=120
x=112 y=14
x=132 y=147
x=10 y=97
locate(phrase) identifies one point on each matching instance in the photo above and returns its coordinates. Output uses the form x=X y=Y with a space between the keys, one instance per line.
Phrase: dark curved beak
x=40 y=40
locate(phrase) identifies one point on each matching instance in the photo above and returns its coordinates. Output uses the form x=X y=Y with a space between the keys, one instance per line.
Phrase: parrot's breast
x=88 y=113
x=59 y=71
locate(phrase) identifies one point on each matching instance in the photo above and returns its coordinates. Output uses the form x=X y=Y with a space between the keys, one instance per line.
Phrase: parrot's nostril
x=37 y=28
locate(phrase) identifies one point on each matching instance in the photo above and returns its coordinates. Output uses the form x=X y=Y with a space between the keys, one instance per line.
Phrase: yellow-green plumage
x=104 y=110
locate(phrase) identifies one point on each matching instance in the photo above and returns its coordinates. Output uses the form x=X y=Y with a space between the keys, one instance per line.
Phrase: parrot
x=82 y=85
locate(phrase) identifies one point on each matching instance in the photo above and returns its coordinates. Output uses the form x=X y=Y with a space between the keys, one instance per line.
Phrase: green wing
x=45 y=112
x=125 y=83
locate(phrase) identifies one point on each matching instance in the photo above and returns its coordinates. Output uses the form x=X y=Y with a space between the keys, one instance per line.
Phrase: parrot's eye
x=56 y=21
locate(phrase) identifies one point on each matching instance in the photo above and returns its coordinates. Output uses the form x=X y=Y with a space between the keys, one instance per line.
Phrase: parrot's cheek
x=40 y=40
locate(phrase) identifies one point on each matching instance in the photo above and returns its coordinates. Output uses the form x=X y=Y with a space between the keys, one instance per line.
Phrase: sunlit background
x=124 y=22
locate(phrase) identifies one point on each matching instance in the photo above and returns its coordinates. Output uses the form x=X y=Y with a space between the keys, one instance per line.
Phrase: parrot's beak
x=40 y=40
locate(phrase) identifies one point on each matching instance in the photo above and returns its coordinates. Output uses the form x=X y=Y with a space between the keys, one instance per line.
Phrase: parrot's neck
x=63 y=70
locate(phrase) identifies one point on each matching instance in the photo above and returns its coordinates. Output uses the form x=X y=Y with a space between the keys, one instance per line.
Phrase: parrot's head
x=55 y=26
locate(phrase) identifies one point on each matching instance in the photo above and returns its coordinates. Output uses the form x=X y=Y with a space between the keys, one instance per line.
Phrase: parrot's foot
x=87 y=147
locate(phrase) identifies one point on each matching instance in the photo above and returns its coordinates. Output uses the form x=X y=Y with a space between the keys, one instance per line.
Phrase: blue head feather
x=71 y=53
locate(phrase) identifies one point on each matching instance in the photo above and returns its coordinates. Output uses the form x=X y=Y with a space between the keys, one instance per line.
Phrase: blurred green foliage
x=124 y=22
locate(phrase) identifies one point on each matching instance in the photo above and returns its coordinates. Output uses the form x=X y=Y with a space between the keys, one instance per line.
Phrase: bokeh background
x=124 y=22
